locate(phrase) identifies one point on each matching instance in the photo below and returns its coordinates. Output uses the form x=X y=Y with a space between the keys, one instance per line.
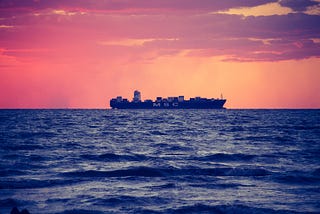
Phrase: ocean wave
x=235 y=128
x=125 y=200
x=167 y=172
x=80 y=211
x=111 y=157
x=26 y=135
x=174 y=148
x=10 y=172
x=228 y=209
x=157 y=133
x=33 y=183
x=19 y=168
x=164 y=186
x=298 y=179
x=139 y=171
x=316 y=172
x=303 y=127
x=31 y=158
x=217 y=185
x=59 y=200
x=116 y=200
x=15 y=147
x=226 y=157
x=268 y=138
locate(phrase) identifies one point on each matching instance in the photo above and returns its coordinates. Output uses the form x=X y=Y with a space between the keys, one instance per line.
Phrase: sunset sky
x=81 y=53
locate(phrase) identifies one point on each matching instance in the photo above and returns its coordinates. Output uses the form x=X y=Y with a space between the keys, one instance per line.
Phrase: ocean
x=160 y=161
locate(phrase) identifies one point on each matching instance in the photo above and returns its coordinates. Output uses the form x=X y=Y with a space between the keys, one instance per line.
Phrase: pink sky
x=79 y=54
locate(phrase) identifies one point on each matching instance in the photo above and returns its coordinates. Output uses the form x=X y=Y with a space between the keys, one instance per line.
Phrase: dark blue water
x=165 y=161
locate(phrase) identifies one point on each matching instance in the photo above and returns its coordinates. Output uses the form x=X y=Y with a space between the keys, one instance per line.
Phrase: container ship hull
x=215 y=104
x=167 y=103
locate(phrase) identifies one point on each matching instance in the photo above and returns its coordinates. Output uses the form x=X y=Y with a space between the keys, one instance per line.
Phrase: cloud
x=96 y=36
x=261 y=10
x=298 y=5
x=5 y=26
x=281 y=50
x=243 y=49
x=111 y=5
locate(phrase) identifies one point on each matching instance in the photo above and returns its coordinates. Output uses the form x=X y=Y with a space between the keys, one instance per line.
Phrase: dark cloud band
x=298 y=5
x=208 y=5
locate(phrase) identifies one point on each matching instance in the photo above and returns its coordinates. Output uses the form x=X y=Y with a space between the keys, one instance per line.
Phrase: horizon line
x=80 y=108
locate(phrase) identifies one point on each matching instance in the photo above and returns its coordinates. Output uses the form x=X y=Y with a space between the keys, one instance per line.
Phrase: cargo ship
x=167 y=103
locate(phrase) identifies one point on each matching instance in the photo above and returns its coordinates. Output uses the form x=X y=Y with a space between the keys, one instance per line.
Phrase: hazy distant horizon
x=108 y=108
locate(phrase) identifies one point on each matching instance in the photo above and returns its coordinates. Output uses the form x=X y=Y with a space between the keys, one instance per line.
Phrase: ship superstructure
x=167 y=103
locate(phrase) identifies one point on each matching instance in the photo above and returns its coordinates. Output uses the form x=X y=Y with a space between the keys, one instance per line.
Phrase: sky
x=82 y=53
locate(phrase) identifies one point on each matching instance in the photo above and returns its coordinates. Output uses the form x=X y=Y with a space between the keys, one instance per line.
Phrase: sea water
x=160 y=161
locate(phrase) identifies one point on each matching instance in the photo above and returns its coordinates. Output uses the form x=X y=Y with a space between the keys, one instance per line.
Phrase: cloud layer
x=129 y=4
x=298 y=5
x=42 y=24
